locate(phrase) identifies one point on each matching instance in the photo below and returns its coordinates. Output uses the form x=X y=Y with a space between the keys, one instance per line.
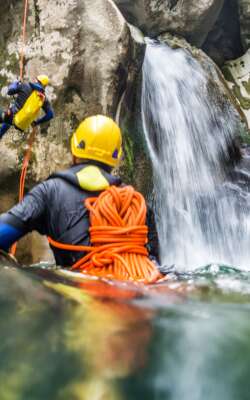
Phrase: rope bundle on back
x=118 y=237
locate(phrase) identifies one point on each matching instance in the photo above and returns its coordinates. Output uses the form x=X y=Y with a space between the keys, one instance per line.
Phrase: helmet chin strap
x=77 y=160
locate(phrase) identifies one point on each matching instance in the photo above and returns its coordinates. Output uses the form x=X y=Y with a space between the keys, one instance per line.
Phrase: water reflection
x=83 y=339
x=58 y=342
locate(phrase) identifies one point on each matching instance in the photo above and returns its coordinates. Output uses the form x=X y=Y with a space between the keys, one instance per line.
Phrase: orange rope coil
x=118 y=237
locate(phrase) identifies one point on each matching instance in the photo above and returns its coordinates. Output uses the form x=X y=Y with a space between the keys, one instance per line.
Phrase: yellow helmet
x=98 y=138
x=43 y=79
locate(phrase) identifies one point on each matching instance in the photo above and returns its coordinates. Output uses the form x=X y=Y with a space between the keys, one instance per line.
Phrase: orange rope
x=118 y=237
x=25 y=165
x=32 y=135
x=26 y=160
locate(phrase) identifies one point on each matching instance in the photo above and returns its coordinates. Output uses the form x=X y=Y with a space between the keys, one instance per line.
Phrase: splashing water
x=202 y=218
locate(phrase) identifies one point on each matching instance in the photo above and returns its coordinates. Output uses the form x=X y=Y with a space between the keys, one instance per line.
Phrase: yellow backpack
x=30 y=110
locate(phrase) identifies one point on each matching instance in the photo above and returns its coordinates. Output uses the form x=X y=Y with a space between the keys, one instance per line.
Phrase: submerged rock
x=191 y=19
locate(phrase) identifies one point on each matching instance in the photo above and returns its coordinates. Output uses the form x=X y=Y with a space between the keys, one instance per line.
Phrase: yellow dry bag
x=30 y=110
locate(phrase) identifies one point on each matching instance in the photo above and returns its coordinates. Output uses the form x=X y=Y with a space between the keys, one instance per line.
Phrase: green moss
x=128 y=166
x=246 y=85
x=129 y=151
x=136 y=168
x=13 y=61
x=244 y=134
x=228 y=75
x=3 y=81
x=244 y=101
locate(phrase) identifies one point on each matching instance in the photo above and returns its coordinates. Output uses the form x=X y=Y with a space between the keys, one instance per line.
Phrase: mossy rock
x=136 y=168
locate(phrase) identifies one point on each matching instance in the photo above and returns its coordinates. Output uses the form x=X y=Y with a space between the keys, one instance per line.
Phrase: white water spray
x=201 y=218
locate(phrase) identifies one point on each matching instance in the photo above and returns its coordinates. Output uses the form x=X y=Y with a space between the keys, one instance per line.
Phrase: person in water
x=56 y=208
x=29 y=99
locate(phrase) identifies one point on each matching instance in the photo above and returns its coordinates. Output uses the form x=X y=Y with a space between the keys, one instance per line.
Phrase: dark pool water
x=74 y=339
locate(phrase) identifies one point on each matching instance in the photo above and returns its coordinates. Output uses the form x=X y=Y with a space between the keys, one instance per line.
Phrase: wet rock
x=191 y=19
x=244 y=10
x=237 y=73
x=136 y=168
x=223 y=42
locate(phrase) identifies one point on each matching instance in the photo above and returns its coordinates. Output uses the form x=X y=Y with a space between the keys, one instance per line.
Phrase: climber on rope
x=30 y=98
x=56 y=207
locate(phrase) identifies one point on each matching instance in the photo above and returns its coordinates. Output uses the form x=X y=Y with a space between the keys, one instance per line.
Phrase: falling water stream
x=202 y=217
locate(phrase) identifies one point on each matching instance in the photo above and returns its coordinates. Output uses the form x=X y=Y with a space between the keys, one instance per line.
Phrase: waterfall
x=202 y=217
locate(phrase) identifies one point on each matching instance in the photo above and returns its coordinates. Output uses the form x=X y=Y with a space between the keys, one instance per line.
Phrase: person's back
x=20 y=117
x=56 y=206
x=22 y=91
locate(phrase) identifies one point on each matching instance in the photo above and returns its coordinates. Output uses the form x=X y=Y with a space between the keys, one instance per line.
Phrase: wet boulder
x=237 y=74
x=244 y=10
x=223 y=42
x=191 y=19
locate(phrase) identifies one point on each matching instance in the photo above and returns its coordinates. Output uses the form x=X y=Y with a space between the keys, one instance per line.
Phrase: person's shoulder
x=47 y=191
x=36 y=86
x=54 y=182
x=26 y=85
x=43 y=188
x=113 y=178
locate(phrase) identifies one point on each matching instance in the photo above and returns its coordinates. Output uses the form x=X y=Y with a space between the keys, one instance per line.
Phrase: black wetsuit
x=22 y=91
x=56 y=208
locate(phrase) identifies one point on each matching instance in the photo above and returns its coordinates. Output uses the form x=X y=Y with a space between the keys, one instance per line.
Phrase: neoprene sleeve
x=8 y=235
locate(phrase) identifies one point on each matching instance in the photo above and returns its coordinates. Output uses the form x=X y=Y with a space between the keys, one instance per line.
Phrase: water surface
x=187 y=338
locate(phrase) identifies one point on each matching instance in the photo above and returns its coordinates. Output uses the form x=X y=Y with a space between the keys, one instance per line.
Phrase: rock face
x=87 y=49
x=244 y=10
x=91 y=56
x=191 y=19
x=237 y=73
x=223 y=42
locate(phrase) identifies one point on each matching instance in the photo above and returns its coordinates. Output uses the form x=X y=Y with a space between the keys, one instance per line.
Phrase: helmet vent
x=115 y=154
x=81 y=145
